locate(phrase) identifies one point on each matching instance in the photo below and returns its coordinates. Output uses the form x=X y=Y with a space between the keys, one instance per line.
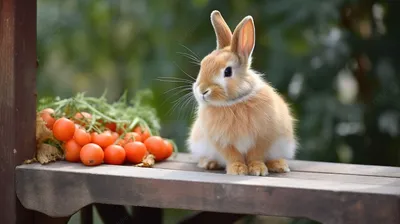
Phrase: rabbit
x=241 y=123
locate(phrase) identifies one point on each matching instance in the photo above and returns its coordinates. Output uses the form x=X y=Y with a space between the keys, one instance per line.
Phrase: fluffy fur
x=241 y=122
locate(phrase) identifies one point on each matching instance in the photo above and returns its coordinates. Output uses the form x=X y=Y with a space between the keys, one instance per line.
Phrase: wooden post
x=17 y=101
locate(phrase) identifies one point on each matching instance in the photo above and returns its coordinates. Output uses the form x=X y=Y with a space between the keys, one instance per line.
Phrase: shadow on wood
x=87 y=214
x=113 y=214
x=212 y=217
x=41 y=218
x=147 y=215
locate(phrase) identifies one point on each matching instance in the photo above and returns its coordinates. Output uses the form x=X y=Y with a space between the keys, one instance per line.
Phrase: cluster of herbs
x=124 y=113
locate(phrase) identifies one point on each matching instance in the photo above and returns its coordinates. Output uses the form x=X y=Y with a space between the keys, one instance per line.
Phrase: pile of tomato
x=111 y=146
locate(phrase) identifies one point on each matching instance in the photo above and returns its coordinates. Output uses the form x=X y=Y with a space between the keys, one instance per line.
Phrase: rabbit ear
x=222 y=31
x=243 y=39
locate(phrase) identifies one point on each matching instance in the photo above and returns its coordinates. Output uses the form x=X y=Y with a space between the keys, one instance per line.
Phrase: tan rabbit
x=241 y=123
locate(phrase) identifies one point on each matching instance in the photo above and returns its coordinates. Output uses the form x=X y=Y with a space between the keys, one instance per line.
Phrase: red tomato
x=121 y=142
x=156 y=146
x=132 y=137
x=91 y=154
x=63 y=129
x=115 y=136
x=103 y=139
x=135 y=152
x=120 y=131
x=114 y=154
x=81 y=136
x=169 y=149
x=144 y=134
x=112 y=126
x=46 y=115
x=72 y=151
x=82 y=118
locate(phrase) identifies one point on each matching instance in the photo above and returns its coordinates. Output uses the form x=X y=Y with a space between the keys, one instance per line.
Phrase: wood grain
x=322 y=167
x=17 y=100
x=340 y=178
x=328 y=201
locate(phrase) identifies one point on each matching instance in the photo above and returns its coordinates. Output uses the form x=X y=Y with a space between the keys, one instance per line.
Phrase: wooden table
x=325 y=192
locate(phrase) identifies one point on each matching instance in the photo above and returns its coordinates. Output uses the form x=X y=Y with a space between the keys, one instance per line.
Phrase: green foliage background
x=336 y=61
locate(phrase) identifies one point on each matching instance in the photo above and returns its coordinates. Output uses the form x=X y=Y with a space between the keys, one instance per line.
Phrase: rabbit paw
x=258 y=168
x=237 y=168
x=278 y=166
x=208 y=164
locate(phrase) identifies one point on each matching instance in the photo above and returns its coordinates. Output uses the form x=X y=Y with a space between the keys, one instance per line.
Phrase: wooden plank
x=17 y=100
x=40 y=188
x=322 y=167
x=342 y=178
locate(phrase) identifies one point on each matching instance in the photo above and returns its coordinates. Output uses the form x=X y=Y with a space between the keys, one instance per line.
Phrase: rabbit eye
x=228 y=72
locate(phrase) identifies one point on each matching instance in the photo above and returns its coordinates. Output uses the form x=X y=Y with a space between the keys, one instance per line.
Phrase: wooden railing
x=325 y=192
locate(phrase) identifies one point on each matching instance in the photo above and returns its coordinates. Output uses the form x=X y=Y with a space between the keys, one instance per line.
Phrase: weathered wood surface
x=17 y=100
x=308 y=166
x=340 y=197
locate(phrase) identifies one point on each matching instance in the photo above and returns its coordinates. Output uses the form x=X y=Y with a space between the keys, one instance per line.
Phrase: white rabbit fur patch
x=282 y=148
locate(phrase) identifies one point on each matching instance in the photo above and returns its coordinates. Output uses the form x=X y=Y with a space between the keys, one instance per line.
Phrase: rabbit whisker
x=176 y=93
x=179 y=101
x=174 y=81
x=185 y=87
x=173 y=78
x=194 y=54
x=185 y=72
x=193 y=60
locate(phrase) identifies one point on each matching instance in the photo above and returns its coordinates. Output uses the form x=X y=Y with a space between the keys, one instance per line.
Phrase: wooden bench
x=325 y=192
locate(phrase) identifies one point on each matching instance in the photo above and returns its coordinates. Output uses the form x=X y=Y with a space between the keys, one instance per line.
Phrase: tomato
x=115 y=136
x=112 y=126
x=114 y=154
x=135 y=152
x=46 y=115
x=63 y=129
x=121 y=131
x=81 y=115
x=91 y=154
x=169 y=149
x=82 y=118
x=81 y=136
x=121 y=142
x=132 y=137
x=144 y=134
x=72 y=151
x=156 y=146
x=103 y=139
